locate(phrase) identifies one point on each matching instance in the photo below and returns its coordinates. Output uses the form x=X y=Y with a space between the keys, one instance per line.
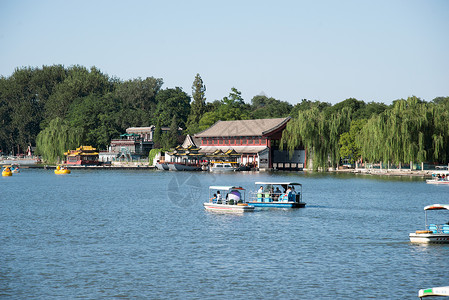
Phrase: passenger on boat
x=276 y=194
x=260 y=194
x=213 y=199
x=218 y=197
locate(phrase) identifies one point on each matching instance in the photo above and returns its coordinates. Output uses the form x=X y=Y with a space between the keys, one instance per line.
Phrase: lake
x=145 y=234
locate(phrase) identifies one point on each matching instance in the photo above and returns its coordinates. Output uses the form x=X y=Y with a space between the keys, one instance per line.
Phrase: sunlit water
x=145 y=234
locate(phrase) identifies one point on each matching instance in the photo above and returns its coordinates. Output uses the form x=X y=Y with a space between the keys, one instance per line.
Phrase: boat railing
x=275 y=197
x=436 y=228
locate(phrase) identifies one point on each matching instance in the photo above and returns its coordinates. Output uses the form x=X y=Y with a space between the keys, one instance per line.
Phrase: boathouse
x=255 y=141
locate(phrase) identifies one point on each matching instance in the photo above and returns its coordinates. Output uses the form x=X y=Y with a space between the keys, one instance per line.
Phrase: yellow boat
x=7 y=171
x=61 y=170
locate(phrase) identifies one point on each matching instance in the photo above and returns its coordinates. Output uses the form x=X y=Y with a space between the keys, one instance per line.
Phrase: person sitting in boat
x=218 y=197
x=276 y=194
x=213 y=199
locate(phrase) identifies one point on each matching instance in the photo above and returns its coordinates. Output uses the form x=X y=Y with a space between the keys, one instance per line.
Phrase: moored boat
x=7 y=171
x=270 y=195
x=227 y=199
x=61 y=170
x=439 y=177
x=221 y=166
x=162 y=166
x=433 y=233
x=183 y=167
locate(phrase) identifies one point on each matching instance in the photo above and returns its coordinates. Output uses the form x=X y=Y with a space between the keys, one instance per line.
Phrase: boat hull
x=443 y=182
x=228 y=207
x=6 y=174
x=278 y=204
x=181 y=167
x=162 y=167
x=429 y=238
x=213 y=169
x=62 y=172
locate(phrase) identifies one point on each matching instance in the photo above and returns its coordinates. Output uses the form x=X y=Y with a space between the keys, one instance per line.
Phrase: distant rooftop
x=258 y=127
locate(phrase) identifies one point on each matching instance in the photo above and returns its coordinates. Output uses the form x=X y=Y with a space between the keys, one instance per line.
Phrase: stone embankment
x=388 y=172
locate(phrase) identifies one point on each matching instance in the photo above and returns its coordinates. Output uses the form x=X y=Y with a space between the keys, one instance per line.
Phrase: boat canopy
x=225 y=188
x=437 y=207
x=278 y=183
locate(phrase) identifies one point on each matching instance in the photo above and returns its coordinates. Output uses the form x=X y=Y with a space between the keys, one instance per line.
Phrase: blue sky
x=290 y=50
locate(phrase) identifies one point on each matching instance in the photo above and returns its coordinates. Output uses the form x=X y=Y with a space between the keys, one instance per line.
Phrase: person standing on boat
x=260 y=194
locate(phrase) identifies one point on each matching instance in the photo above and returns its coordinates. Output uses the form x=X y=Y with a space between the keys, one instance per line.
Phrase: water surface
x=144 y=234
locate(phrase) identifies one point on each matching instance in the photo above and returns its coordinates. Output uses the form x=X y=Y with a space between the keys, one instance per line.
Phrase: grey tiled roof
x=257 y=127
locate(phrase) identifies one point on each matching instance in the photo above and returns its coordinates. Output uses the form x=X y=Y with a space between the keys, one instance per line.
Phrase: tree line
x=57 y=108
x=408 y=130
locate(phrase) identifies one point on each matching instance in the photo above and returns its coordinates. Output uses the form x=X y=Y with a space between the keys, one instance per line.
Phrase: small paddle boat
x=227 y=199
x=15 y=169
x=439 y=177
x=61 y=170
x=442 y=291
x=433 y=233
x=6 y=171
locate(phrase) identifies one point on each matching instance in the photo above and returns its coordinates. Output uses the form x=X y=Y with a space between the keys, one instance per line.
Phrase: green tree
x=198 y=105
x=172 y=102
x=172 y=136
x=157 y=135
x=229 y=109
x=348 y=147
x=79 y=83
x=95 y=117
x=57 y=138
x=263 y=107
x=139 y=97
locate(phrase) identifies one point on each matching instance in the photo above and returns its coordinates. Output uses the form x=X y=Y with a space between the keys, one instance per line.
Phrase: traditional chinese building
x=83 y=155
x=135 y=143
x=255 y=141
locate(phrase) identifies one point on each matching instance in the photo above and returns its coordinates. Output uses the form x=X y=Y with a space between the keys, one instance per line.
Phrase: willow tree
x=56 y=138
x=319 y=133
x=410 y=131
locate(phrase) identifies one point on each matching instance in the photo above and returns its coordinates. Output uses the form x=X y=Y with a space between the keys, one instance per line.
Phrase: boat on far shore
x=223 y=166
x=183 y=167
x=439 y=177
x=162 y=166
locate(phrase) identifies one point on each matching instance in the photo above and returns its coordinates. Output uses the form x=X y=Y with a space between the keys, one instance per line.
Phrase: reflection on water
x=145 y=234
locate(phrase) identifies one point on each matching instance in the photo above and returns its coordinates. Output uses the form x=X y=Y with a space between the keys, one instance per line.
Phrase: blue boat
x=277 y=195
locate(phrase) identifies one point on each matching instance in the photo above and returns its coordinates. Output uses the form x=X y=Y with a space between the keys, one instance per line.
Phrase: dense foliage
x=57 y=108
x=407 y=131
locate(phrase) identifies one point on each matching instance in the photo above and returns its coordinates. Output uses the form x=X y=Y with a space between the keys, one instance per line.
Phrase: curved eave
x=277 y=128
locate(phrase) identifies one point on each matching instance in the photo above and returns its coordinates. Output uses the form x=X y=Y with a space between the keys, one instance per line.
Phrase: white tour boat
x=433 y=233
x=227 y=199
x=223 y=167
x=442 y=291
x=439 y=177
x=277 y=195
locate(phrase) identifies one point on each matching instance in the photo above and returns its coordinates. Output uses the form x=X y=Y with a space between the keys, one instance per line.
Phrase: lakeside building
x=132 y=145
x=257 y=143
x=83 y=155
